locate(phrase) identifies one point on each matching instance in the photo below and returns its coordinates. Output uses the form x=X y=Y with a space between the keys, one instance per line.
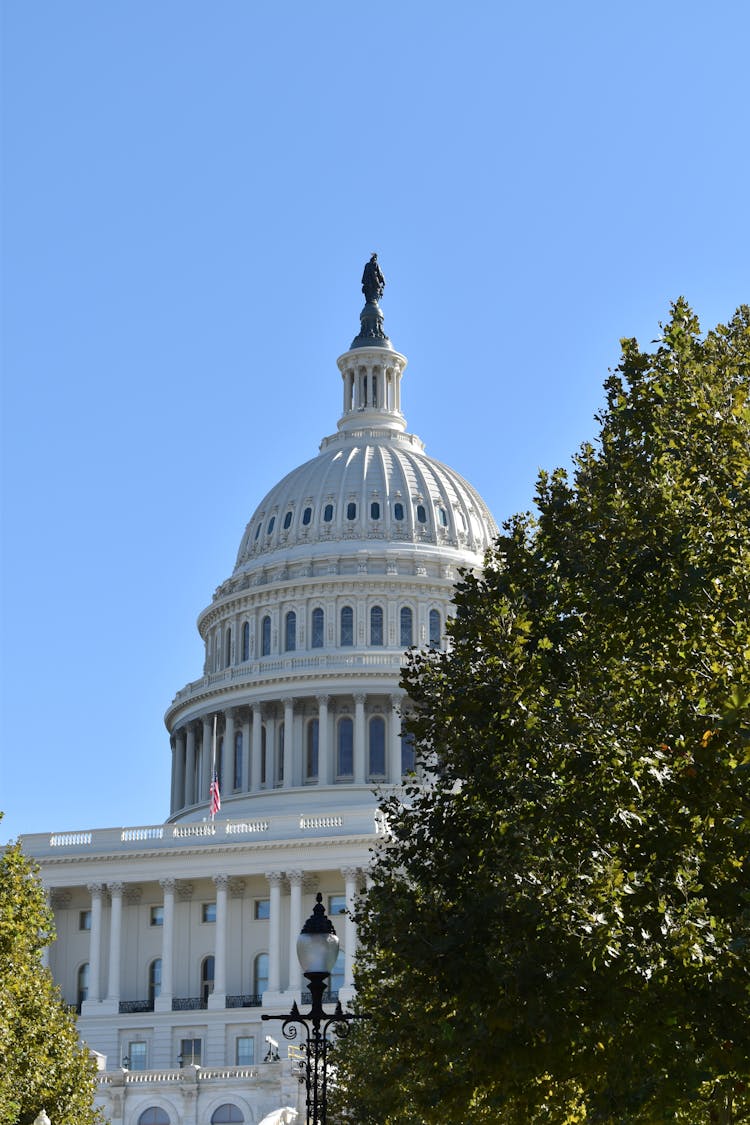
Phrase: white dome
x=364 y=486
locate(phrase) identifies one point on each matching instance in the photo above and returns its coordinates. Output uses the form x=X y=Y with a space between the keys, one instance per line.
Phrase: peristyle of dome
x=345 y=563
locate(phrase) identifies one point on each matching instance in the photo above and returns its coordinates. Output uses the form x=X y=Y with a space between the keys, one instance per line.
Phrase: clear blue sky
x=190 y=191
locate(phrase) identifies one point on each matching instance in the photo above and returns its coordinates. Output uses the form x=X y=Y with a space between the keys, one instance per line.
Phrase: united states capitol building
x=173 y=939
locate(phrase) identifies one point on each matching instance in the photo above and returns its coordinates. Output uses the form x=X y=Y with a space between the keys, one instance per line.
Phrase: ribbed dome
x=368 y=485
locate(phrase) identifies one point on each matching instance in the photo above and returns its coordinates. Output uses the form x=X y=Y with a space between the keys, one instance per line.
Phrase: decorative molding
x=236 y=887
x=184 y=891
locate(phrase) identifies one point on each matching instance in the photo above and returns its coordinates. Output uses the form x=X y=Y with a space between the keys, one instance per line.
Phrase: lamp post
x=42 y=1119
x=317 y=950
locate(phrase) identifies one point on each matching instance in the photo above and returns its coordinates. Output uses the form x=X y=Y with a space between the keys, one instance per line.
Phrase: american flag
x=215 y=795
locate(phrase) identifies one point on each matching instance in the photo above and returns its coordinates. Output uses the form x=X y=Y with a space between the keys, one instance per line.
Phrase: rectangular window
x=190 y=1052
x=208 y=912
x=336 y=905
x=157 y=915
x=262 y=908
x=84 y=920
x=136 y=1056
x=245 y=1053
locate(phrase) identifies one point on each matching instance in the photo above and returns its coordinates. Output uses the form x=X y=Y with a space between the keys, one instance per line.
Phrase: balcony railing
x=128 y=1006
x=330 y=996
x=188 y=1003
x=252 y=1000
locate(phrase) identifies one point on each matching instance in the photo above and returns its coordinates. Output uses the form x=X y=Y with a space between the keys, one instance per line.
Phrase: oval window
x=374 y=510
x=421 y=513
x=351 y=511
x=328 y=513
x=398 y=511
x=271 y=525
x=287 y=521
x=306 y=516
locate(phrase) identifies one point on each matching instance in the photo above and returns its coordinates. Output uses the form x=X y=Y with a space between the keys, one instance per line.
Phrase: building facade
x=173 y=939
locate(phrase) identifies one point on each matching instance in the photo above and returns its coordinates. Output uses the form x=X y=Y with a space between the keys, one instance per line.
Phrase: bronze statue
x=373 y=282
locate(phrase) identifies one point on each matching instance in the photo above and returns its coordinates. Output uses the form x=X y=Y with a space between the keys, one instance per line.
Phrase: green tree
x=558 y=927
x=42 y=1063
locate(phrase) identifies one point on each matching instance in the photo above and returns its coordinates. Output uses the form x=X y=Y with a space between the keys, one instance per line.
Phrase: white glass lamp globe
x=317 y=945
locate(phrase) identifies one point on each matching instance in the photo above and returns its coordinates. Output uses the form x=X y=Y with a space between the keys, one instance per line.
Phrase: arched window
x=375 y=510
x=311 y=751
x=258 y=529
x=154 y=1115
x=154 y=980
x=347 y=626
x=290 y=631
x=376 y=625
x=328 y=513
x=377 y=746
x=271 y=524
x=265 y=637
x=421 y=513
x=306 y=517
x=237 y=759
x=407 y=631
x=434 y=629
x=207 y=978
x=287 y=521
x=345 y=748
x=351 y=510
x=398 y=511
x=246 y=641
x=227 y=1114
x=407 y=754
x=82 y=984
x=260 y=975
x=317 y=631
x=228 y=649
x=443 y=517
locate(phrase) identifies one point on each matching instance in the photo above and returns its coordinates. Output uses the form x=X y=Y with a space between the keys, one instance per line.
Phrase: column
x=324 y=742
x=274 y=930
x=394 y=743
x=246 y=753
x=288 y=743
x=95 y=941
x=115 y=942
x=295 y=925
x=206 y=758
x=271 y=750
x=217 y=999
x=255 y=771
x=351 y=875
x=226 y=781
x=359 y=739
x=190 y=765
x=179 y=771
x=164 y=1001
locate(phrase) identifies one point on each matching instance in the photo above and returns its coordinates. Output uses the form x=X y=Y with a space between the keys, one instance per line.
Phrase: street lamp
x=42 y=1119
x=317 y=950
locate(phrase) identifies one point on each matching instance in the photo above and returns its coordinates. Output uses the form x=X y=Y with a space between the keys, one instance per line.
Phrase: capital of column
x=168 y=885
x=323 y=700
x=115 y=889
x=185 y=891
x=360 y=697
x=351 y=873
x=221 y=882
x=296 y=878
x=96 y=890
x=275 y=878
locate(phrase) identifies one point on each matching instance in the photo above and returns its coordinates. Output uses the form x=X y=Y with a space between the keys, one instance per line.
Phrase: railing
x=330 y=996
x=128 y=1006
x=188 y=1003
x=283 y=826
x=187 y=1074
x=253 y=1000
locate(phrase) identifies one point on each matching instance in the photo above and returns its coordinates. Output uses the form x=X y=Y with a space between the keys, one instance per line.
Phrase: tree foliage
x=42 y=1063
x=558 y=927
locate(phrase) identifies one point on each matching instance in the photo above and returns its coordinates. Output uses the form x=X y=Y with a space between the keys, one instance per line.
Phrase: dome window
x=258 y=529
x=347 y=626
x=271 y=525
x=421 y=513
x=318 y=621
x=377 y=747
x=351 y=510
x=290 y=631
x=376 y=625
x=345 y=748
x=328 y=513
x=375 y=510
x=398 y=511
x=407 y=628
x=434 y=629
x=306 y=516
x=287 y=521
x=265 y=637
x=443 y=517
